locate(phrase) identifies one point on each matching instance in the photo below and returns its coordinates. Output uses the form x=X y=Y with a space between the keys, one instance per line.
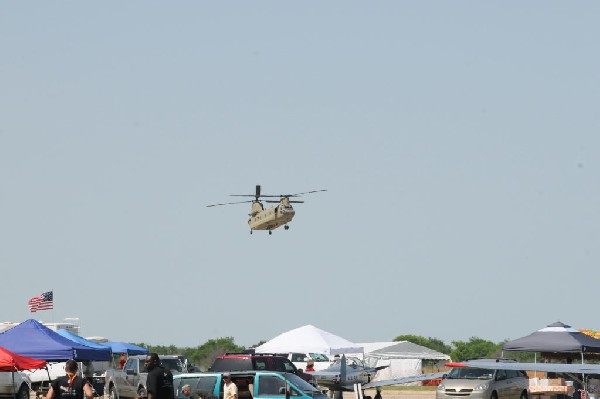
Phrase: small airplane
x=346 y=374
x=273 y=217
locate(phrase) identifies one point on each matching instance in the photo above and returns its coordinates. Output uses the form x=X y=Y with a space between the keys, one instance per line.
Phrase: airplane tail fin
x=343 y=369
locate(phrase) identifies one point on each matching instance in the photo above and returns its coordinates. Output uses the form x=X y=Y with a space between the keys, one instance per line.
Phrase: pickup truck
x=14 y=385
x=250 y=384
x=130 y=381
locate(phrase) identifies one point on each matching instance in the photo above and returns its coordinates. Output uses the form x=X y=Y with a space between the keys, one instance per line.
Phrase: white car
x=21 y=387
x=299 y=359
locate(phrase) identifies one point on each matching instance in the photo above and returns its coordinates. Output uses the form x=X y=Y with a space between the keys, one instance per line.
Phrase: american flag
x=41 y=302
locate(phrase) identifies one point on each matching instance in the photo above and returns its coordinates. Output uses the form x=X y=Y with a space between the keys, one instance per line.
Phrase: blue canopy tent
x=124 y=347
x=80 y=340
x=33 y=339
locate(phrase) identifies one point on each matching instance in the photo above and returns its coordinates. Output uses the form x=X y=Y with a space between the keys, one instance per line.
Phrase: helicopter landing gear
x=286 y=227
x=270 y=232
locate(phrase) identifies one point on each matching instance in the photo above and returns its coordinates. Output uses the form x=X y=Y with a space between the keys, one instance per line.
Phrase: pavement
x=396 y=394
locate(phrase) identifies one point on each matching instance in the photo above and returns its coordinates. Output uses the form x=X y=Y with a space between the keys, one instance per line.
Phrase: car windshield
x=301 y=384
x=471 y=374
x=171 y=364
x=318 y=357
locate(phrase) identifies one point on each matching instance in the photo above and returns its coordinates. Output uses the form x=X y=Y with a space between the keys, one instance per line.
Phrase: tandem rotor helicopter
x=273 y=217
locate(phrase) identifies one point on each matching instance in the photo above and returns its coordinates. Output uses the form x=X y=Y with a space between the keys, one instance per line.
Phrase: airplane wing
x=324 y=375
x=548 y=367
x=405 y=380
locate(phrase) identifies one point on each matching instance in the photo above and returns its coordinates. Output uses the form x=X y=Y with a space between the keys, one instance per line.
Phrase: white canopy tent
x=309 y=339
x=403 y=358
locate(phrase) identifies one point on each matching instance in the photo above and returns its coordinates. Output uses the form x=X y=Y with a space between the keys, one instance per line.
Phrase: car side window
x=500 y=375
x=131 y=364
x=269 y=385
x=298 y=357
x=288 y=366
x=260 y=365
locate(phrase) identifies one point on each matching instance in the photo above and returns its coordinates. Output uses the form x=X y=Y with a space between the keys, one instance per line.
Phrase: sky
x=458 y=143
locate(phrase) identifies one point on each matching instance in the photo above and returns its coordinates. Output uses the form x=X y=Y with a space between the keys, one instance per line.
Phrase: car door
x=502 y=385
x=271 y=386
x=132 y=377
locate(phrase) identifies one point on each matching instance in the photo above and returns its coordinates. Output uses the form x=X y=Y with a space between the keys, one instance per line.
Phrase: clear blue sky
x=458 y=142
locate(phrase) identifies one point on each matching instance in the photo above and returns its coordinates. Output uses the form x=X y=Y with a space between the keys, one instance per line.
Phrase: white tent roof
x=401 y=350
x=308 y=339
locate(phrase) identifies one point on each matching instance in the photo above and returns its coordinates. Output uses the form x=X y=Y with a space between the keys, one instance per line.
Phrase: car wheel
x=494 y=395
x=142 y=393
x=112 y=393
x=523 y=395
x=23 y=392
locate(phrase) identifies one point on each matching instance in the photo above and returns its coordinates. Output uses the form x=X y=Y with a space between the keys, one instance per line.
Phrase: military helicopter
x=273 y=217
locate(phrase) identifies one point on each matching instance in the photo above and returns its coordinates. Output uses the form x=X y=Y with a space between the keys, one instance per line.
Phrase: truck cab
x=250 y=384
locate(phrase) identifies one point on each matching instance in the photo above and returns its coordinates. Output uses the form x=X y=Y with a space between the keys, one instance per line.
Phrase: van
x=476 y=383
x=250 y=384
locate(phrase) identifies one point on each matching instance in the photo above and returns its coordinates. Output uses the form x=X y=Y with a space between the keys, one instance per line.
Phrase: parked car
x=321 y=361
x=474 y=383
x=250 y=384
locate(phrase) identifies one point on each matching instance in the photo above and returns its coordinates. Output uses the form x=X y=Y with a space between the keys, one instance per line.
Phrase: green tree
x=431 y=343
x=201 y=356
x=475 y=348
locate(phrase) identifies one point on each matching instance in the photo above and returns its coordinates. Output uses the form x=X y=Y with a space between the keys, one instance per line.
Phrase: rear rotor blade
x=307 y=192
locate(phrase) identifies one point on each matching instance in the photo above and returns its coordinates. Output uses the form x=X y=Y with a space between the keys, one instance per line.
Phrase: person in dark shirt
x=159 y=382
x=70 y=386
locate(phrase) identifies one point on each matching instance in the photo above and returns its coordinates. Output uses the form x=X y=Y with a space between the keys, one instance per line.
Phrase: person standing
x=122 y=360
x=159 y=382
x=230 y=390
x=70 y=386
x=310 y=365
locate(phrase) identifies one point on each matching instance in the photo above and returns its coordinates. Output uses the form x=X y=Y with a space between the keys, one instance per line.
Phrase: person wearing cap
x=310 y=365
x=230 y=390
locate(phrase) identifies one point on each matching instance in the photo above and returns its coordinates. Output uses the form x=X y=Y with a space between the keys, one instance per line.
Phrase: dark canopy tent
x=124 y=347
x=555 y=338
x=32 y=339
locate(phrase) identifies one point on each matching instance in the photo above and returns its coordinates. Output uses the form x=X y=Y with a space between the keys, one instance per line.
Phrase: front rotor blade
x=277 y=202
x=229 y=203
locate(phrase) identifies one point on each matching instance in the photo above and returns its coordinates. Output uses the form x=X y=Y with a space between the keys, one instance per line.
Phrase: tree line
x=203 y=356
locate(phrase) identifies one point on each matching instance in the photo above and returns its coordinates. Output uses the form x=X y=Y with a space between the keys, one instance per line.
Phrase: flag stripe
x=41 y=302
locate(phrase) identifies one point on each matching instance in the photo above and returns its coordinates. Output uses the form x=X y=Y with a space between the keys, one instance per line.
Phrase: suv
x=475 y=383
x=265 y=362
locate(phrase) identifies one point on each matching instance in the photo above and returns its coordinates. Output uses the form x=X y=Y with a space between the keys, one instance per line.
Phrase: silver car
x=473 y=383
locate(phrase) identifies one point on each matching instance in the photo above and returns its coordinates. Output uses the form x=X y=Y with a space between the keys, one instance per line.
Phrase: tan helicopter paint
x=271 y=218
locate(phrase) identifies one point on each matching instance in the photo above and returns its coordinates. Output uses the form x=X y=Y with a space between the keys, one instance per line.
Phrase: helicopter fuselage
x=270 y=218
